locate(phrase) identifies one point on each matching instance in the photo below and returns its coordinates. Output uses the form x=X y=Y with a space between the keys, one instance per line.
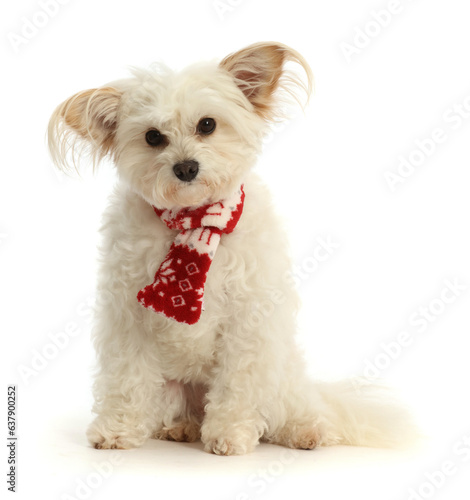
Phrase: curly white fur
x=237 y=375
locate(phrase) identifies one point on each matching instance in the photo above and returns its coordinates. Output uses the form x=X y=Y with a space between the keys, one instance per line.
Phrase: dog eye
x=206 y=126
x=154 y=138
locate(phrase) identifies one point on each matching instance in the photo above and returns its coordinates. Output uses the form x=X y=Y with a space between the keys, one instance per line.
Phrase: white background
x=326 y=170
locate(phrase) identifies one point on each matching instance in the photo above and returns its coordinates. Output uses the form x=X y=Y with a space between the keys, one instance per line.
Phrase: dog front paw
x=103 y=435
x=233 y=441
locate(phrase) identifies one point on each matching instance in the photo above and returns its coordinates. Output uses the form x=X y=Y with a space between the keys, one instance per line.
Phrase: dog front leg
x=128 y=388
x=233 y=423
x=127 y=407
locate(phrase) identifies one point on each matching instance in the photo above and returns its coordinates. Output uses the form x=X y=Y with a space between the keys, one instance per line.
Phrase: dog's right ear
x=86 y=121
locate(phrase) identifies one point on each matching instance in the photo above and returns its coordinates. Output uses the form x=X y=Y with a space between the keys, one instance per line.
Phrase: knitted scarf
x=178 y=288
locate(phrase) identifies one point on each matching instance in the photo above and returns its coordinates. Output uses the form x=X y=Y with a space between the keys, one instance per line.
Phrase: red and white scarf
x=178 y=288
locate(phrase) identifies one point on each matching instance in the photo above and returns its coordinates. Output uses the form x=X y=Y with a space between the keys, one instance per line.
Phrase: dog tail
x=361 y=413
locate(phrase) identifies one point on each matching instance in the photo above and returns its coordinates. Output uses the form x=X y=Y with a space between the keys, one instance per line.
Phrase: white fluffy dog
x=235 y=376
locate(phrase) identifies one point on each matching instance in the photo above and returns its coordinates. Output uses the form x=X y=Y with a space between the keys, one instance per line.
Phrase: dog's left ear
x=259 y=71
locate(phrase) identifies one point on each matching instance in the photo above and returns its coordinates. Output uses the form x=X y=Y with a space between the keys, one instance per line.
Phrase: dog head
x=181 y=139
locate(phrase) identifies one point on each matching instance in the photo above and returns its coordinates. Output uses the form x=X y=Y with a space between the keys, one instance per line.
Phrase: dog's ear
x=259 y=71
x=85 y=121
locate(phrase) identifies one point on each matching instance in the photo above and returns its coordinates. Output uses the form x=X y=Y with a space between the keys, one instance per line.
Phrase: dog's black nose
x=187 y=170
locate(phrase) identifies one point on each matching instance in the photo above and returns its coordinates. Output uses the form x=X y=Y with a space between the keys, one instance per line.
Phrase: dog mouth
x=186 y=184
x=185 y=194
